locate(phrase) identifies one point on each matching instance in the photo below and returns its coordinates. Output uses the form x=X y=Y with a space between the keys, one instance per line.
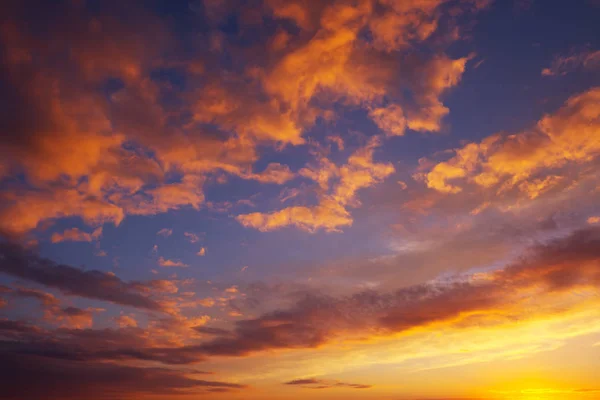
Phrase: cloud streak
x=92 y=284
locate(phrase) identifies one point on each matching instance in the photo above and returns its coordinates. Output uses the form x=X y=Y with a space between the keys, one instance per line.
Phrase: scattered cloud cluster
x=337 y=186
x=106 y=143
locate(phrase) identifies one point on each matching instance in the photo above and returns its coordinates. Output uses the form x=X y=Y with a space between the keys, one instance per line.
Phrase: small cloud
x=101 y=253
x=593 y=220
x=125 y=321
x=312 y=383
x=274 y=173
x=246 y=202
x=165 y=232
x=244 y=268
x=192 y=237
x=165 y=262
x=288 y=194
x=232 y=289
x=337 y=140
x=207 y=302
x=201 y=252
x=402 y=184
x=76 y=235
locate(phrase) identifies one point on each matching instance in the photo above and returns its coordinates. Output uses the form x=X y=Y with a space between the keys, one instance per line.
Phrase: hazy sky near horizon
x=290 y=199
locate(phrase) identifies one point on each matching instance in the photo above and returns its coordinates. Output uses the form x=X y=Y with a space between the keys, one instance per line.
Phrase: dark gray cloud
x=32 y=377
x=93 y=284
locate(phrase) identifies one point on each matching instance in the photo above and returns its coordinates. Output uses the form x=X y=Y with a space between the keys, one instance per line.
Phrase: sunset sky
x=300 y=199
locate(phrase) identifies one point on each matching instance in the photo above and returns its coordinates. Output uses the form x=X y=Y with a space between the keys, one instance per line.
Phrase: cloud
x=562 y=65
x=565 y=137
x=337 y=140
x=70 y=317
x=72 y=281
x=165 y=262
x=133 y=153
x=75 y=235
x=313 y=383
x=201 y=252
x=22 y=211
x=390 y=120
x=331 y=212
x=165 y=232
x=556 y=267
x=47 y=299
x=126 y=321
x=191 y=237
x=232 y=289
x=54 y=313
x=62 y=379
x=274 y=173
x=522 y=289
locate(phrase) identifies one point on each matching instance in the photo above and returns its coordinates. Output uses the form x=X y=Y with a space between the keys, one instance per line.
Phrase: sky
x=291 y=199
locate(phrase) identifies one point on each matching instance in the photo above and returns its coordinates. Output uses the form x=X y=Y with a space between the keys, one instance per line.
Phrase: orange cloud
x=75 y=235
x=116 y=155
x=389 y=119
x=330 y=213
x=568 y=136
x=274 y=173
x=71 y=317
x=125 y=321
x=404 y=22
x=23 y=211
x=165 y=262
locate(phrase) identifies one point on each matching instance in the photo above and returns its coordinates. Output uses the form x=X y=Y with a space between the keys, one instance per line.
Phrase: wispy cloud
x=562 y=65
x=313 y=383
x=165 y=232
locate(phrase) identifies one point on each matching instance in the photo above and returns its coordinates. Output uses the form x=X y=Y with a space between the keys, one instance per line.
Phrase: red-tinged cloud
x=47 y=299
x=126 y=321
x=76 y=235
x=70 y=317
x=54 y=313
x=529 y=159
x=558 y=267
